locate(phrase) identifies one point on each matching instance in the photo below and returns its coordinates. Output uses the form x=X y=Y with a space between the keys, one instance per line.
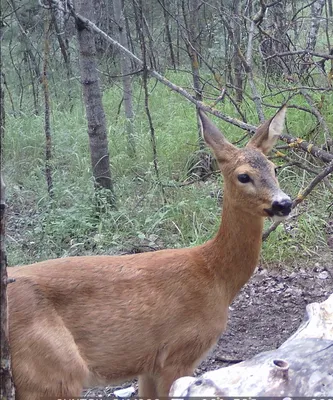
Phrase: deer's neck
x=234 y=252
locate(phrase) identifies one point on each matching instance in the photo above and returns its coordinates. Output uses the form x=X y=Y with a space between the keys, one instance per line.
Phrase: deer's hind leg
x=55 y=387
x=47 y=362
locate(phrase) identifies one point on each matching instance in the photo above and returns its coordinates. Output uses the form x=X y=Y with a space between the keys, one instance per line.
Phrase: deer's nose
x=282 y=207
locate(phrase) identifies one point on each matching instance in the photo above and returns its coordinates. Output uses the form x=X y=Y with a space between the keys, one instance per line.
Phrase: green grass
x=39 y=228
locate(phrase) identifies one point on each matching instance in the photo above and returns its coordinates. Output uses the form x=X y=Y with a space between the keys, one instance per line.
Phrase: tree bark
x=7 y=386
x=2 y=93
x=125 y=71
x=168 y=33
x=330 y=7
x=316 y=11
x=2 y=108
x=7 y=390
x=98 y=141
x=192 y=46
x=278 y=41
x=59 y=27
x=47 y=122
x=236 y=26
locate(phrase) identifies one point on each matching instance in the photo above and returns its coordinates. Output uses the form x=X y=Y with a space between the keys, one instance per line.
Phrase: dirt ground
x=269 y=309
x=266 y=312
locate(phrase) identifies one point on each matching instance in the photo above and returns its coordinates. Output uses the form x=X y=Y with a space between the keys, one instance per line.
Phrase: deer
x=75 y=322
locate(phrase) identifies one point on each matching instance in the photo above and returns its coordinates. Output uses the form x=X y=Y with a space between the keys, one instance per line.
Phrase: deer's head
x=250 y=178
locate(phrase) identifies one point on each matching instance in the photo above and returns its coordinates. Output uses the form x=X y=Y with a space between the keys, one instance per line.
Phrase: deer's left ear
x=268 y=133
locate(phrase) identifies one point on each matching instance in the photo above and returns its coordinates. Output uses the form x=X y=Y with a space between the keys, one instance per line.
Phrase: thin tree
x=278 y=40
x=97 y=132
x=190 y=9
x=316 y=12
x=31 y=56
x=141 y=31
x=58 y=20
x=166 y=14
x=7 y=390
x=118 y=8
x=2 y=91
x=47 y=122
x=2 y=106
x=237 y=62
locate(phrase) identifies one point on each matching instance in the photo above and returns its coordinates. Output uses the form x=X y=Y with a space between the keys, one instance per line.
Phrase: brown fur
x=81 y=321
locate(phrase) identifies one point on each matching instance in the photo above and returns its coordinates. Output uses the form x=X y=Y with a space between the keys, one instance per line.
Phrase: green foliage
x=69 y=224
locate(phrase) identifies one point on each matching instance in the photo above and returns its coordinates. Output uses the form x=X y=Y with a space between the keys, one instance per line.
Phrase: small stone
x=153 y=237
x=323 y=275
x=124 y=393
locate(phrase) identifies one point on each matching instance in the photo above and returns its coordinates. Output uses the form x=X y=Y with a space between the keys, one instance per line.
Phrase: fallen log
x=302 y=366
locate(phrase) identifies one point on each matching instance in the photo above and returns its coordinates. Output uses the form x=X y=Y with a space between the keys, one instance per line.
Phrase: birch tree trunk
x=125 y=71
x=316 y=12
x=98 y=141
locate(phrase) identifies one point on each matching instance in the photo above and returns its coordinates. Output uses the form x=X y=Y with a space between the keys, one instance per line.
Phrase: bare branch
x=316 y=113
x=299 y=52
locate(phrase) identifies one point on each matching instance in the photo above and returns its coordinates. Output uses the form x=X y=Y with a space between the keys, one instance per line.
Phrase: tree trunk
x=125 y=71
x=191 y=40
x=7 y=386
x=236 y=25
x=98 y=142
x=168 y=33
x=2 y=109
x=47 y=122
x=278 y=41
x=316 y=11
x=330 y=8
x=2 y=94
x=58 y=23
x=7 y=390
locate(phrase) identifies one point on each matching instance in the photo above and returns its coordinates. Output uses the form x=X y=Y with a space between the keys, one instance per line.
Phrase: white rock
x=323 y=275
x=123 y=393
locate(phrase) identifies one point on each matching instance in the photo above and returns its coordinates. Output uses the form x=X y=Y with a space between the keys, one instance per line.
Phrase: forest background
x=141 y=178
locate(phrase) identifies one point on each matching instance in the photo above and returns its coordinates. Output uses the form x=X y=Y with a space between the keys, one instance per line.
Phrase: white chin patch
x=279 y=218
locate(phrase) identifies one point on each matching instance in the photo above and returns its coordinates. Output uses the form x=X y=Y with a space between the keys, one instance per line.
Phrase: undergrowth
x=39 y=228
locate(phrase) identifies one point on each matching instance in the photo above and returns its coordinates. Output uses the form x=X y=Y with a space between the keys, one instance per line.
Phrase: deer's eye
x=276 y=171
x=244 y=178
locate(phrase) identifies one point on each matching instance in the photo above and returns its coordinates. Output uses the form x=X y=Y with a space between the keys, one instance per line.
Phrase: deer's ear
x=222 y=149
x=268 y=133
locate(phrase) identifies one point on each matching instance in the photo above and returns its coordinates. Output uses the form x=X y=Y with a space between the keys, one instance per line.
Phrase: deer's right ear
x=268 y=133
x=222 y=149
